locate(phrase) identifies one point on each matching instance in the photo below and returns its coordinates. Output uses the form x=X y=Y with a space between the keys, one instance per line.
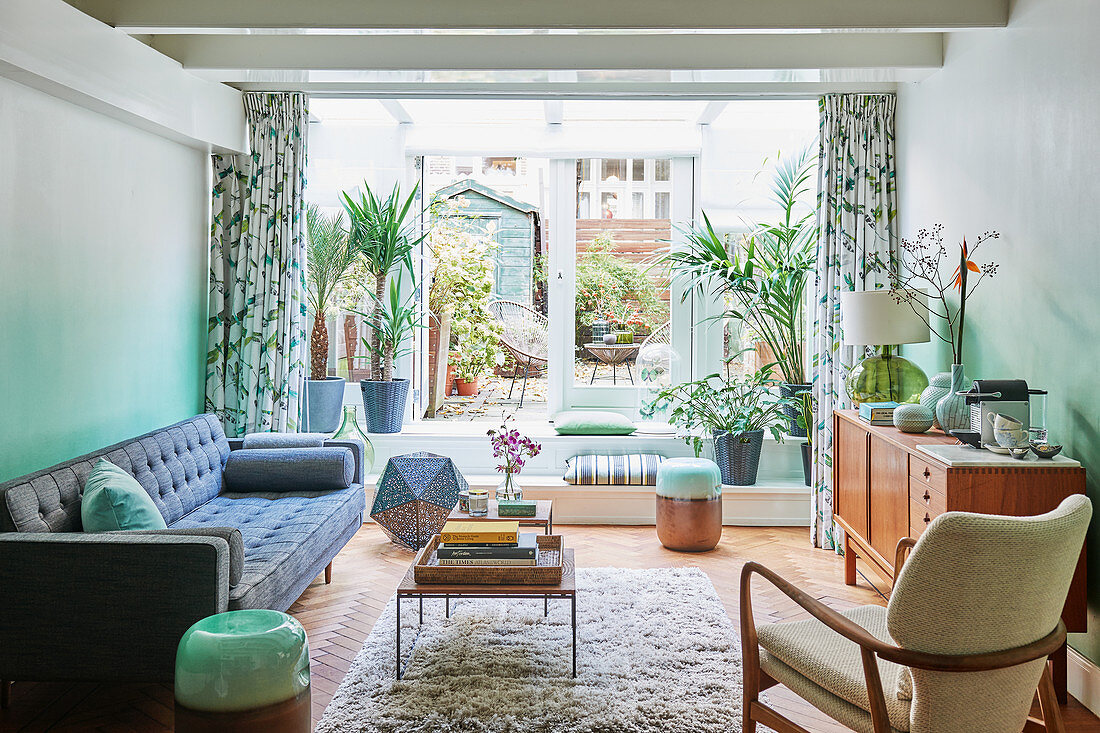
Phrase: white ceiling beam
x=563 y=52
x=706 y=91
x=395 y=110
x=554 y=111
x=47 y=45
x=165 y=16
x=710 y=113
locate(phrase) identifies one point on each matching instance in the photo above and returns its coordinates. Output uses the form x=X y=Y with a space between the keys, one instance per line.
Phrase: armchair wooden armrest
x=871 y=646
x=905 y=544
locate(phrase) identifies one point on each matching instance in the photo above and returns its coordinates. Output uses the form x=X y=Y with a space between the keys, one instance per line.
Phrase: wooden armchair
x=961 y=646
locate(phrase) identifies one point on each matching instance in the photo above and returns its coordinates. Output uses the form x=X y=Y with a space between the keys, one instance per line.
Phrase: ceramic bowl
x=1046 y=450
x=1020 y=453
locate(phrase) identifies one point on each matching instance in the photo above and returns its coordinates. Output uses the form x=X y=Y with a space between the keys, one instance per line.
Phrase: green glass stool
x=689 y=504
x=243 y=672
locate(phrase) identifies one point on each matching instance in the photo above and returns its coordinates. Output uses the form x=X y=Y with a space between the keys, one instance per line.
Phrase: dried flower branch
x=920 y=266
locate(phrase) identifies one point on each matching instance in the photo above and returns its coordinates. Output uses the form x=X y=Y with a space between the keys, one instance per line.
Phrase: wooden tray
x=548 y=571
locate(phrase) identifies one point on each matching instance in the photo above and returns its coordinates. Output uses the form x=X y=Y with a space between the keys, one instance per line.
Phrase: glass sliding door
x=619 y=324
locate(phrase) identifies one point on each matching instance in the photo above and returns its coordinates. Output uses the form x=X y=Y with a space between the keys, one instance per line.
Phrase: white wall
x=103 y=271
x=1007 y=137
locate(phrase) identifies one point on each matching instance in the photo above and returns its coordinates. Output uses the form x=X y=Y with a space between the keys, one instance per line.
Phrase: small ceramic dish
x=994 y=448
x=1046 y=450
x=1019 y=454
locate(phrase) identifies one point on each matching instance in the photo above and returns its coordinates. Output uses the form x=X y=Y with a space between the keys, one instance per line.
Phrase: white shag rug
x=656 y=652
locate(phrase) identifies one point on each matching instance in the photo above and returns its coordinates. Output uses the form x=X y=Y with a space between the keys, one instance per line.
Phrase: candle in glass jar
x=479 y=502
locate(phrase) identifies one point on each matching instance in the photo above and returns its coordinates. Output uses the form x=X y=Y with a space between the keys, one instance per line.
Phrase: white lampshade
x=874 y=318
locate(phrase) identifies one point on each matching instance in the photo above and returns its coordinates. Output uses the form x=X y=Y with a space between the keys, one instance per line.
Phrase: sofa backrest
x=180 y=466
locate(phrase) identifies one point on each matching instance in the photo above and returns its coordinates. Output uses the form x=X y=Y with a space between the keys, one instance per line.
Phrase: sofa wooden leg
x=5 y=693
x=328 y=573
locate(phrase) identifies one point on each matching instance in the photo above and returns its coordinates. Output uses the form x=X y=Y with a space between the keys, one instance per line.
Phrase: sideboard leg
x=849 y=562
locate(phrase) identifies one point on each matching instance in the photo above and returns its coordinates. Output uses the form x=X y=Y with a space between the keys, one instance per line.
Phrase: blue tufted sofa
x=112 y=606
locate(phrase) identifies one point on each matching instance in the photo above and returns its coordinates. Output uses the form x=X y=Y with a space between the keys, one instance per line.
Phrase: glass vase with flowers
x=513 y=450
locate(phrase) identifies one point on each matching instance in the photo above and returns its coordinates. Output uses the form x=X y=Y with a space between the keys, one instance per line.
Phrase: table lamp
x=876 y=318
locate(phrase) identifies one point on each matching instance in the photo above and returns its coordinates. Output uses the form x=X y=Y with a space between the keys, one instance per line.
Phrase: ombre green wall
x=1007 y=136
x=102 y=280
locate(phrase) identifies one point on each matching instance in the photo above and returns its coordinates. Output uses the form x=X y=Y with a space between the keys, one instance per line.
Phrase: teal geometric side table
x=243 y=671
x=689 y=504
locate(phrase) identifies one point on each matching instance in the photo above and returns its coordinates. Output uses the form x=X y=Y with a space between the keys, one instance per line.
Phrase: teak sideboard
x=885 y=489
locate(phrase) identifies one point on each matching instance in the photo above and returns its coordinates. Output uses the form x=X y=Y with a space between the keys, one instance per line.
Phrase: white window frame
x=564 y=392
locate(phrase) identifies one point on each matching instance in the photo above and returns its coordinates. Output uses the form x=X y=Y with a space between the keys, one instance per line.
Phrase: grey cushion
x=284 y=440
x=231 y=535
x=180 y=467
x=288 y=538
x=290 y=469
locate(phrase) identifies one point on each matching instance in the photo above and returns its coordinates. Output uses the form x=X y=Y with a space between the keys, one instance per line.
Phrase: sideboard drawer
x=920 y=516
x=928 y=473
x=926 y=496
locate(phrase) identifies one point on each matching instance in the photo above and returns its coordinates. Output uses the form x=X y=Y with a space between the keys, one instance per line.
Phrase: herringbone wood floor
x=339 y=616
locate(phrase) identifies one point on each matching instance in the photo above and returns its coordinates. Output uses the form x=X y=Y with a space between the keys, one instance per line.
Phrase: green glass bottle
x=350 y=430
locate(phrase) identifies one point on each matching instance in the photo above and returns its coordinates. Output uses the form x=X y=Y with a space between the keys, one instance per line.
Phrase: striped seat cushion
x=636 y=469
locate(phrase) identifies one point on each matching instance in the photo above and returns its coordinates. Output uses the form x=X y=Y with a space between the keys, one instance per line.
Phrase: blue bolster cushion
x=284 y=440
x=291 y=469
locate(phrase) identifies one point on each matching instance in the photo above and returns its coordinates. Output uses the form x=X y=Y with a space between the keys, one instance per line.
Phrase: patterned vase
x=951 y=411
x=938 y=387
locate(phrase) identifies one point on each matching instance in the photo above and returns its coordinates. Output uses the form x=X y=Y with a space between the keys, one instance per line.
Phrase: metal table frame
x=567 y=589
x=509 y=596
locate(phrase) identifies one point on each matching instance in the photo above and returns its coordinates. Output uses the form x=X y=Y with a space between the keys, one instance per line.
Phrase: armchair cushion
x=291 y=469
x=830 y=662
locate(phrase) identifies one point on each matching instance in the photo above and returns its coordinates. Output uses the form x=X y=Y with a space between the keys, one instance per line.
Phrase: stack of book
x=486 y=543
x=877 y=413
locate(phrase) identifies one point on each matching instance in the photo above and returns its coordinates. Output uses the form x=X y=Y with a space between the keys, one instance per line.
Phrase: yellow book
x=466 y=532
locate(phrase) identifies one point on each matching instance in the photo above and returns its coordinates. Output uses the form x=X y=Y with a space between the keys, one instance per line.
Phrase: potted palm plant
x=735 y=411
x=329 y=259
x=763 y=277
x=392 y=322
x=384 y=232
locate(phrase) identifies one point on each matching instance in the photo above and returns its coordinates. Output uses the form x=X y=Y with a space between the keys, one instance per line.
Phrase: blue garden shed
x=515 y=226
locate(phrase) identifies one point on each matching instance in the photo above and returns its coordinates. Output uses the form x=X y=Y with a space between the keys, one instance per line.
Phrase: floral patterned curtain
x=857 y=217
x=255 y=363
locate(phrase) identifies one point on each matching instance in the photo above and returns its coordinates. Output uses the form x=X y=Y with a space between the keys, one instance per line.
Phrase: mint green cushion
x=689 y=478
x=592 y=422
x=114 y=500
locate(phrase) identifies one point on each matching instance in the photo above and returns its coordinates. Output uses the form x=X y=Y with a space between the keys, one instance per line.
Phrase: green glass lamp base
x=886 y=378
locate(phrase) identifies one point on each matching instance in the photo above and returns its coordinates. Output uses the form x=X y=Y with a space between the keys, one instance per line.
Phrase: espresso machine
x=1010 y=397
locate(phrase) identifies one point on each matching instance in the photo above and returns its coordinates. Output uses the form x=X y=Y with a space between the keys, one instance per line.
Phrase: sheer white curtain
x=857 y=218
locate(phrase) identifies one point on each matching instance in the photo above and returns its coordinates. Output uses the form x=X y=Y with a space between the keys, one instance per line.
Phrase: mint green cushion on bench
x=592 y=422
x=114 y=500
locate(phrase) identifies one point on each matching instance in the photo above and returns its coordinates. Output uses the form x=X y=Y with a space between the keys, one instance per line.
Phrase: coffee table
x=566 y=590
x=544 y=515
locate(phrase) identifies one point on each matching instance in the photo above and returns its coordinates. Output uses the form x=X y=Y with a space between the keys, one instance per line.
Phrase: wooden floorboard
x=339 y=616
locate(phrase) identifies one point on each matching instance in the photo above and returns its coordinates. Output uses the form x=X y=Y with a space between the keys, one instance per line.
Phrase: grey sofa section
x=289 y=469
x=132 y=594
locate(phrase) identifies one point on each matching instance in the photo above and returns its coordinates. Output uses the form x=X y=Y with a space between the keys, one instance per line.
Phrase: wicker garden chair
x=660 y=335
x=526 y=336
x=962 y=645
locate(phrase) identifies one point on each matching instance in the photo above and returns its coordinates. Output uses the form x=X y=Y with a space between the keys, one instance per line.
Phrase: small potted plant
x=392 y=324
x=735 y=411
x=475 y=359
x=625 y=318
x=513 y=450
x=806 y=407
